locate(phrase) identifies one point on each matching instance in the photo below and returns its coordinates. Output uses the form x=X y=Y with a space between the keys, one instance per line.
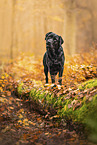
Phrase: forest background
x=27 y=106
x=24 y=23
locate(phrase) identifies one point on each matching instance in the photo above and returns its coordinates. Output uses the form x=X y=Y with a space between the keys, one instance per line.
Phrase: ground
x=21 y=125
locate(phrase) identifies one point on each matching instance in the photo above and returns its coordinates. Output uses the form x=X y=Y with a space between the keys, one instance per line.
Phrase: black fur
x=53 y=59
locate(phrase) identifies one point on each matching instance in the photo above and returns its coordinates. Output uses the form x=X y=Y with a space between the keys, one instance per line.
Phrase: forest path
x=20 y=125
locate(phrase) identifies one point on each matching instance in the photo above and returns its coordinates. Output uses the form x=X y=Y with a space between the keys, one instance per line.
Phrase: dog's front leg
x=53 y=78
x=60 y=76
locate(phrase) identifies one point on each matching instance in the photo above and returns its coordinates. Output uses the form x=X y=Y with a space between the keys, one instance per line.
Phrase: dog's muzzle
x=49 y=43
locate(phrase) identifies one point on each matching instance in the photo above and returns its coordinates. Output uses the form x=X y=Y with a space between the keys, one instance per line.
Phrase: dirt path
x=19 y=125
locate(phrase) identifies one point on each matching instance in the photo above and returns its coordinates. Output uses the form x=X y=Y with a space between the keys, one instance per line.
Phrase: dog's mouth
x=51 y=50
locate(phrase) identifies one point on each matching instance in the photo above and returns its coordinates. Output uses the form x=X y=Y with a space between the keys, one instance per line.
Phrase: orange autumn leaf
x=8 y=93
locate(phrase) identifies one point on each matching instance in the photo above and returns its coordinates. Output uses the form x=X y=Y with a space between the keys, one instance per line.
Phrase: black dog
x=53 y=59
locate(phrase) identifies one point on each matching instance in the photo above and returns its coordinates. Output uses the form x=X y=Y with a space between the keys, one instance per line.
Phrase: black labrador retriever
x=53 y=59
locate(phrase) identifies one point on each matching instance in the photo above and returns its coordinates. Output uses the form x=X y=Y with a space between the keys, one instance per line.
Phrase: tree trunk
x=70 y=27
x=12 y=29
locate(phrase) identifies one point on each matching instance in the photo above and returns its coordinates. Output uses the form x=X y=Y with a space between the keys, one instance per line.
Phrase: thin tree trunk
x=70 y=27
x=12 y=29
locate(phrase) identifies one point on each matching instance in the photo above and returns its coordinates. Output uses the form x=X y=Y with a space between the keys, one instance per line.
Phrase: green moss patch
x=88 y=84
x=75 y=105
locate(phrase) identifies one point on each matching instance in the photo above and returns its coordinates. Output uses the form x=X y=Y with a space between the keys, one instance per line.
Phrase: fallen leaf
x=11 y=108
x=2 y=77
x=13 y=130
x=74 y=102
x=43 y=100
x=47 y=133
x=91 y=98
x=8 y=93
x=2 y=108
x=70 y=106
x=20 y=116
x=25 y=120
x=20 y=121
x=1 y=89
x=32 y=123
x=38 y=144
x=24 y=141
x=72 y=139
x=18 y=143
x=24 y=136
x=6 y=129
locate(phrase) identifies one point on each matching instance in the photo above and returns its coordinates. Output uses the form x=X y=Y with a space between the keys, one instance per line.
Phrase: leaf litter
x=30 y=125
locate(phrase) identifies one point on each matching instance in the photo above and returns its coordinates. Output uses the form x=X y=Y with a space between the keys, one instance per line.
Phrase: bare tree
x=70 y=26
x=12 y=29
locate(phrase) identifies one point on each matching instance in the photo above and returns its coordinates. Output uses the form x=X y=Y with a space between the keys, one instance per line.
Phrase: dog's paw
x=46 y=85
x=59 y=87
x=52 y=85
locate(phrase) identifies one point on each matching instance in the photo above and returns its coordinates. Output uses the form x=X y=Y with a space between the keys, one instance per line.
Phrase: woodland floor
x=19 y=123
x=35 y=129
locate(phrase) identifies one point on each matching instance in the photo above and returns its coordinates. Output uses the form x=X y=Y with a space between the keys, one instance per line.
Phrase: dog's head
x=53 y=42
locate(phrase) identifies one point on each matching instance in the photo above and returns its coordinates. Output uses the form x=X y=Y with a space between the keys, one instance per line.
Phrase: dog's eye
x=55 y=39
x=49 y=37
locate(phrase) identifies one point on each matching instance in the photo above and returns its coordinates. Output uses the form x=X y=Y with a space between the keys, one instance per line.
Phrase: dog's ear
x=61 y=41
x=47 y=34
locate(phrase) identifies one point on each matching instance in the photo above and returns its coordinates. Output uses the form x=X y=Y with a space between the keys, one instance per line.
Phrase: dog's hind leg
x=53 y=78
x=46 y=73
x=45 y=68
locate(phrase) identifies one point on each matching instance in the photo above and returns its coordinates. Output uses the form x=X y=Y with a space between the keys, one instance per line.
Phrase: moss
x=62 y=105
x=86 y=110
x=88 y=84
x=20 y=88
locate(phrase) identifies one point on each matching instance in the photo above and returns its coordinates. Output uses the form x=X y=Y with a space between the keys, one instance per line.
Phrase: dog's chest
x=54 y=65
